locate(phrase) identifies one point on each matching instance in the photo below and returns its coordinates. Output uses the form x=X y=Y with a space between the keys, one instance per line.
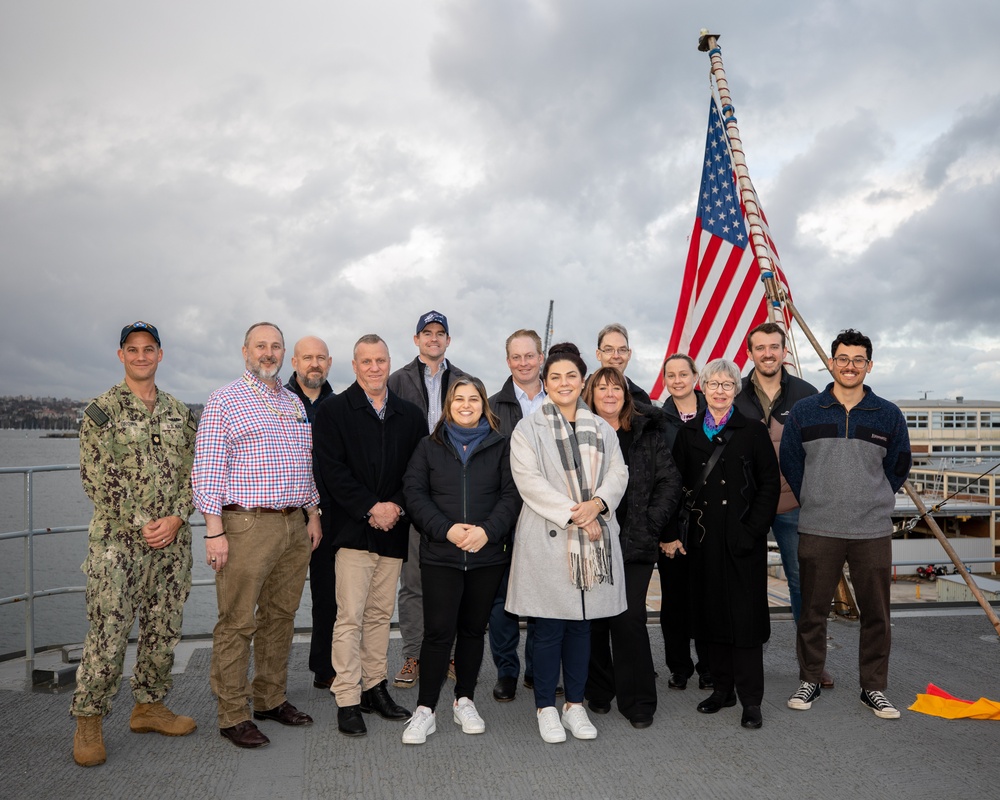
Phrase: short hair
x=723 y=366
x=682 y=357
x=614 y=327
x=246 y=336
x=464 y=380
x=767 y=328
x=368 y=338
x=852 y=338
x=525 y=333
x=615 y=376
x=564 y=351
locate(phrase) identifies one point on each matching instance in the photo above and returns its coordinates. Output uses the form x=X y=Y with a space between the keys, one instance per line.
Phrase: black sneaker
x=876 y=701
x=804 y=696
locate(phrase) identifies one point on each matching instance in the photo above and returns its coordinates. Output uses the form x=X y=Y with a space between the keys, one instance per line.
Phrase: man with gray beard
x=311 y=362
x=253 y=480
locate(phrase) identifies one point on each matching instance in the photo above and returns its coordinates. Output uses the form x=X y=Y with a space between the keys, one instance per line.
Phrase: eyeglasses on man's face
x=615 y=351
x=858 y=361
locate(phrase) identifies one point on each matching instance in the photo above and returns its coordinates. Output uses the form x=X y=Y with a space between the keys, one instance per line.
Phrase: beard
x=266 y=368
x=314 y=380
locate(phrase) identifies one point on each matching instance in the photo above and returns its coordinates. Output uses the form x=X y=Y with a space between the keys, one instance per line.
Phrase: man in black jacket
x=423 y=382
x=362 y=443
x=768 y=394
x=311 y=362
x=522 y=394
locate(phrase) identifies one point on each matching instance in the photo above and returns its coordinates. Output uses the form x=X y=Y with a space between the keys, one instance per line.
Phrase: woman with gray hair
x=731 y=483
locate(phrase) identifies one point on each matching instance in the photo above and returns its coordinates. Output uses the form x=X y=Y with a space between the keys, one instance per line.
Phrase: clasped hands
x=384 y=516
x=467 y=537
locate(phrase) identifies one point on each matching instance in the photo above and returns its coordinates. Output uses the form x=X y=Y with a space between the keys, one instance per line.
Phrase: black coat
x=507 y=408
x=727 y=542
x=358 y=461
x=440 y=490
x=654 y=487
x=674 y=417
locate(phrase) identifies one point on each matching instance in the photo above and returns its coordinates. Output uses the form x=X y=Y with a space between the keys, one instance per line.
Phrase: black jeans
x=457 y=603
x=628 y=673
x=323 y=590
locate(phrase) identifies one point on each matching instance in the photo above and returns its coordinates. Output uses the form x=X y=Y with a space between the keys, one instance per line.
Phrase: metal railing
x=29 y=534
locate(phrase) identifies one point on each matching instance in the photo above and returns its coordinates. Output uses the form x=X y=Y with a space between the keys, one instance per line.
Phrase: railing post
x=29 y=577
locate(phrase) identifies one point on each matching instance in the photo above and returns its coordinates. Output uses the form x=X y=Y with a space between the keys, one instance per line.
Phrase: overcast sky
x=340 y=168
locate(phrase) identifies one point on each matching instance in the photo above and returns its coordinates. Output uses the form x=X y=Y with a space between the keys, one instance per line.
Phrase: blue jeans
x=786 y=533
x=565 y=642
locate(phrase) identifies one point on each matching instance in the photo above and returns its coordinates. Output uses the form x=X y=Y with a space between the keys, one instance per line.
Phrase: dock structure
x=837 y=750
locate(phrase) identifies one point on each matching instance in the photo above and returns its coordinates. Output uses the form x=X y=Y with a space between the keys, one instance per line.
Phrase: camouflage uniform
x=136 y=467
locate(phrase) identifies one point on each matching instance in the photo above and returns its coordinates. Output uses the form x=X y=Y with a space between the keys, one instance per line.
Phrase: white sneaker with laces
x=421 y=725
x=549 y=727
x=803 y=697
x=464 y=713
x=576 y=721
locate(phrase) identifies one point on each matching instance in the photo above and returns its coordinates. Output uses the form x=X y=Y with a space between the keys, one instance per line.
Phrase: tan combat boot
x=88 y=742
x=157 y=718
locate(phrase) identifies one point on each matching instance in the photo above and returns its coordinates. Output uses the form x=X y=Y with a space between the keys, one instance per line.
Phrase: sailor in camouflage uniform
x=136 y=452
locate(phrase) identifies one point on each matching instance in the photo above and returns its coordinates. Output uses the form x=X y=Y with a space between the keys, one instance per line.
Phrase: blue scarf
x=466 y=439
x=711 y=427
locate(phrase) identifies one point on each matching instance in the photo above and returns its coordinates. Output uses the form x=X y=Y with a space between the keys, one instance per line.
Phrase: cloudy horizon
x=340 y=169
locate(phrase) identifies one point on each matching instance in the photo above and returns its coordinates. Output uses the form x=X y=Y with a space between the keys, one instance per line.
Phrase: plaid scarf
x=582 y=456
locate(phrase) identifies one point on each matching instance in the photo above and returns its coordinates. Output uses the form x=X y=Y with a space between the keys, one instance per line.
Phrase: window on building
x=989 y=419
x=916 y=419
x=945 y=420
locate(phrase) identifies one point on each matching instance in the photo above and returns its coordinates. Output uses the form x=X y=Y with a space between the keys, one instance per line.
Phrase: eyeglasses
x=726 y=386
x=615 y=351
x=858 y=361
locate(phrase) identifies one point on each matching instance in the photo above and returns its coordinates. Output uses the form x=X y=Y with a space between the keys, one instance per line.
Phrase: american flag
x=721 y=296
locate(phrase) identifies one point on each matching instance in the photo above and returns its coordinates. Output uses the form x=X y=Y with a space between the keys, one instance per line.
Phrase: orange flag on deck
x=938 y=703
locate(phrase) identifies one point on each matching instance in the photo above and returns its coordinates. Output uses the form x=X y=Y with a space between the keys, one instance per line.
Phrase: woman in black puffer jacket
x=461 y=497
x=654 y=488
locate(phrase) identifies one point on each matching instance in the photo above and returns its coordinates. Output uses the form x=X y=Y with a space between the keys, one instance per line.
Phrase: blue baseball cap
x=140 y=326
x=432 y=316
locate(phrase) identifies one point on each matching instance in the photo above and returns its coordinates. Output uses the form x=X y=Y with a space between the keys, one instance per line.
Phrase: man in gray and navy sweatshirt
x=845 y=452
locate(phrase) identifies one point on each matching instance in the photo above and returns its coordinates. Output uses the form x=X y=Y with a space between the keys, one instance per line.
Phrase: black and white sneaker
x=804 y=696
x=876 y=701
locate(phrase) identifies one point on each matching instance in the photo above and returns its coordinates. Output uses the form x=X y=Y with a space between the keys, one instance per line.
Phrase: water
x=60 y=502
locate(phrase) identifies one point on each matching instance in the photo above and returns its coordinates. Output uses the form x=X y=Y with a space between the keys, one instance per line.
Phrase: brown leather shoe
x=325 y=683
x=826 y=680
x=286 y=714
x=245 y=734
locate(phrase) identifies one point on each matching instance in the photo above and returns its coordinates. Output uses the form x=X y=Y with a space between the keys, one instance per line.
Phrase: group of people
x=550 y=501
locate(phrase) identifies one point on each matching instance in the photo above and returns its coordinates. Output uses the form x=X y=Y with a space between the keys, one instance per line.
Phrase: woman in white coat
x=567 y=562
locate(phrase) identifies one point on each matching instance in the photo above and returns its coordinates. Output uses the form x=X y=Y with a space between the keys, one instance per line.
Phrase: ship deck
x=837 y=750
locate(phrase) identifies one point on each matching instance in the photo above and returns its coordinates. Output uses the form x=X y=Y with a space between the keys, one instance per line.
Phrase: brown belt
x=261 y=509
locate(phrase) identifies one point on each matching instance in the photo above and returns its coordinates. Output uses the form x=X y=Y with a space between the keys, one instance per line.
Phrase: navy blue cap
x=140 y=326
x=432 y=316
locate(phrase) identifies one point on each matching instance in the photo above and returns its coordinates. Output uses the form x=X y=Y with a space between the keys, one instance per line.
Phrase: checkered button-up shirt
x=254 y=448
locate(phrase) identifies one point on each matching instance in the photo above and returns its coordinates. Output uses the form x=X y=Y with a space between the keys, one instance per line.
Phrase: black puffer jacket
x=441 y=491
x=654 y=487
x=674 y=418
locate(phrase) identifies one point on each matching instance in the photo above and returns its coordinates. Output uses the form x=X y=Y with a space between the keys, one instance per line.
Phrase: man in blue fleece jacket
x=845 y=452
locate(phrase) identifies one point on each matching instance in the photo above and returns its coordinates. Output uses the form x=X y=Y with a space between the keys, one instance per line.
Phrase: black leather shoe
x=323 y=683
x=286 y=714
x=751 y=717
x=377 y=699
x=677 y=681
x=641 y=719
x=705 y=681
x=505 y=690
x=529 y=683
x=350 y=722
x=245 y=734
x=717 y=700
x=599 y=708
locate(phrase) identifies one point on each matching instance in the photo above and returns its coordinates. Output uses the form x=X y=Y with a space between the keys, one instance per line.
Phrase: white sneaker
x=421 y=725
x=549 y=727
x=576 y=721
x=464 y=713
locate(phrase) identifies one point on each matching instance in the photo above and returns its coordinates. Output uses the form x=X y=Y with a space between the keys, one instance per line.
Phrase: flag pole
x=708 y=43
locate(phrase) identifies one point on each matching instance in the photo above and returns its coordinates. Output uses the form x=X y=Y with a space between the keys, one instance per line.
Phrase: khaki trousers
x=258 y=592
x=366 y=596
